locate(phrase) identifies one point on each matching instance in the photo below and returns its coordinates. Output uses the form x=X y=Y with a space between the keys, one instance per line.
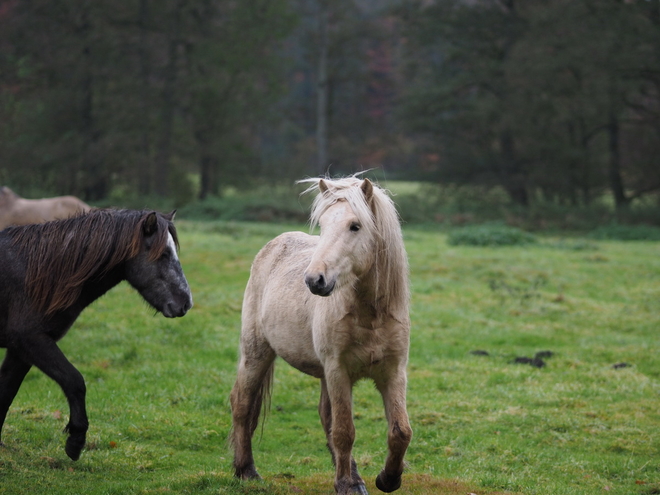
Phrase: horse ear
x=368 y=189
x=150 y=225
x=323 y=187
x=170 y=215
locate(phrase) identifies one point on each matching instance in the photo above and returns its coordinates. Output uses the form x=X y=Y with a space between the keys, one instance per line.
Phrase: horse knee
x=400 y=435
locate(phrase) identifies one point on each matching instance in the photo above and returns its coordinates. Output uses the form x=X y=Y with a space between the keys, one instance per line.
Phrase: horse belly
x=289 y=333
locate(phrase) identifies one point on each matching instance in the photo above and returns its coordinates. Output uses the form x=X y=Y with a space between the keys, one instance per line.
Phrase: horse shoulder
x=287 y=248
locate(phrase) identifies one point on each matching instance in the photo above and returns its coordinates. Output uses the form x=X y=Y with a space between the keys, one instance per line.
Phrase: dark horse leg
x=41 y=351
x=325 y=412
x=399 y=433
x=12 y=372
x=252 y=385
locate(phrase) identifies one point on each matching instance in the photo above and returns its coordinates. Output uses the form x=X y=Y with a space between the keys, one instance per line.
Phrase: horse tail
x=260 y=403
x=263 y=399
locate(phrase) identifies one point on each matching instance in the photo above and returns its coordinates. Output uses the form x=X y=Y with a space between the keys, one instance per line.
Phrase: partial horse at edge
x=15 y=210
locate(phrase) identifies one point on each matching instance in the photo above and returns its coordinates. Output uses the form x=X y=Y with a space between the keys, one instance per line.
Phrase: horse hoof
x=386 y=484
x=74 y=447
x=249 y=473
x=360 y=489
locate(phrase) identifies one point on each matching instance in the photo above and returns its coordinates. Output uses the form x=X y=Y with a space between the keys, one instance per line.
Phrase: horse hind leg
x=12 y=373
x=252 y=387
x=325 y=413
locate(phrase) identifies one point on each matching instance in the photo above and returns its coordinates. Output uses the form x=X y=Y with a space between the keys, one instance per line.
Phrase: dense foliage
x=559 y=97
x=554 y=101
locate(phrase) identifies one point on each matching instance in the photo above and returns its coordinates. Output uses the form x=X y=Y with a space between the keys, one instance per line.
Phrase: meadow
x=485 y=419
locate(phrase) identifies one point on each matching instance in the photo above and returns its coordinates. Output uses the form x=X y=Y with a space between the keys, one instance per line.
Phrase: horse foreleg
x=342 y=429
x=42 y=352
x=252 y=384
x=399 y=432
x=12 y=373
x=325 y=413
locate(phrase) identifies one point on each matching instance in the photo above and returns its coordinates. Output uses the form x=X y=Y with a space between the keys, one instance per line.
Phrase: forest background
x=552 y=103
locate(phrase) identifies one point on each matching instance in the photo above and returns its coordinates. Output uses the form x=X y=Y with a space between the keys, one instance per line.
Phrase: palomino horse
x=50 y=272
x=335 y=307
x=15 y=210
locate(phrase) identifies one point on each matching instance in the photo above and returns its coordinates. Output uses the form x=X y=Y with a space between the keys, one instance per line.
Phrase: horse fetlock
x=387 y=483
x=360 y=488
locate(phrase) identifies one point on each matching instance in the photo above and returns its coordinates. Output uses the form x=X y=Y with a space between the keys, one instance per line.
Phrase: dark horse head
x=74 y=261
x=156 y=272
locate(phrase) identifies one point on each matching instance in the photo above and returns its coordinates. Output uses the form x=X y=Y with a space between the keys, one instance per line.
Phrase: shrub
x=618 y=232
x=489 y=235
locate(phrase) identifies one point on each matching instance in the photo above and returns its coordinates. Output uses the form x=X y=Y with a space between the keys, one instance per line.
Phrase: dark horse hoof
x=386 y=483
x=247 y=473
x=74 y=446
x=75 y=442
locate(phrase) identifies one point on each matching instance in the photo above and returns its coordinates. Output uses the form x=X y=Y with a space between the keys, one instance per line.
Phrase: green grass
x=158 y=389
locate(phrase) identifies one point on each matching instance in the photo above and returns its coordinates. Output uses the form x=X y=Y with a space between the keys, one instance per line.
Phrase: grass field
x=158 y=389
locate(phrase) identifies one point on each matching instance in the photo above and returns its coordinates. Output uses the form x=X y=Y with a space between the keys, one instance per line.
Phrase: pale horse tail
x=260 y=403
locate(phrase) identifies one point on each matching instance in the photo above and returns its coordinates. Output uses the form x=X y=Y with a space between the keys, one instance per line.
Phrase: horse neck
x=97 y=286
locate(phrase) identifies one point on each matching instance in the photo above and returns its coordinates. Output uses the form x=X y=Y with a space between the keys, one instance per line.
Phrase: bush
x=259 y=205
x=618 y=232
x=489 y=235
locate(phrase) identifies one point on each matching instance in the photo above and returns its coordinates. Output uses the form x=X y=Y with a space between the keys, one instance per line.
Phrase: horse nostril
x=320 y=282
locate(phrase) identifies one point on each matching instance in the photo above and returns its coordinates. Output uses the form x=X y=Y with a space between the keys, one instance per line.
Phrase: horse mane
x=64 y=254
x=381 y=221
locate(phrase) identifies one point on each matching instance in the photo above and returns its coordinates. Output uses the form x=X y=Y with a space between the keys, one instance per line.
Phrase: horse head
x=7 y=196
x=156 y=272
x=345 y=247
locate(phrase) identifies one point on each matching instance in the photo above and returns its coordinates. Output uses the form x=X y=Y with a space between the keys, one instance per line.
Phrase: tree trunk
x=95 y=184
x=322 y=93
x=145 y=172
x=513 y=179
x=164 y=151
x=616 y=181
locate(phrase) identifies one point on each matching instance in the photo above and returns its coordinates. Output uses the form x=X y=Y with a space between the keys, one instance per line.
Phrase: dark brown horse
x=50 y=272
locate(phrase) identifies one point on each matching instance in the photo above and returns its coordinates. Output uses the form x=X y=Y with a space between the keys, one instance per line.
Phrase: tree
x=533 y=96
x=130 y=97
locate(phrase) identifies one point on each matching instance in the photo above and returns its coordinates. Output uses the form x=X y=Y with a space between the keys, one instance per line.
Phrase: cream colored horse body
x=360 y=329
x=15 y=210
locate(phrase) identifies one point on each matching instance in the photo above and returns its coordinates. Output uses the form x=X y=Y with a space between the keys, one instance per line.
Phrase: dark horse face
x=160 y=281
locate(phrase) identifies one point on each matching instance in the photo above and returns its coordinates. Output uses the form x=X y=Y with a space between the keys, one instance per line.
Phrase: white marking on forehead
x=171 y=245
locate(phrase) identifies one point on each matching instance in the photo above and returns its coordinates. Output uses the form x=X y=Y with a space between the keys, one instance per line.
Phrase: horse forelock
x=381 y=222
x=64 y=254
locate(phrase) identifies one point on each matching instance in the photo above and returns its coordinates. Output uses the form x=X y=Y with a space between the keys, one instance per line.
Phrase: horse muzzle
x=319 y=285
x=177 y=309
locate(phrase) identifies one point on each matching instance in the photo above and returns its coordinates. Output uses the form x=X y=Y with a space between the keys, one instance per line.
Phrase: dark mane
x=64 y=254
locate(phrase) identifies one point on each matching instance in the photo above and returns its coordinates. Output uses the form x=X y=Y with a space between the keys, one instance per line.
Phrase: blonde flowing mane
x=379 y=218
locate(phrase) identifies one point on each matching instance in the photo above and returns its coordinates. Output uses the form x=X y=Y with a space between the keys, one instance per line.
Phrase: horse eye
x=354 y=227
